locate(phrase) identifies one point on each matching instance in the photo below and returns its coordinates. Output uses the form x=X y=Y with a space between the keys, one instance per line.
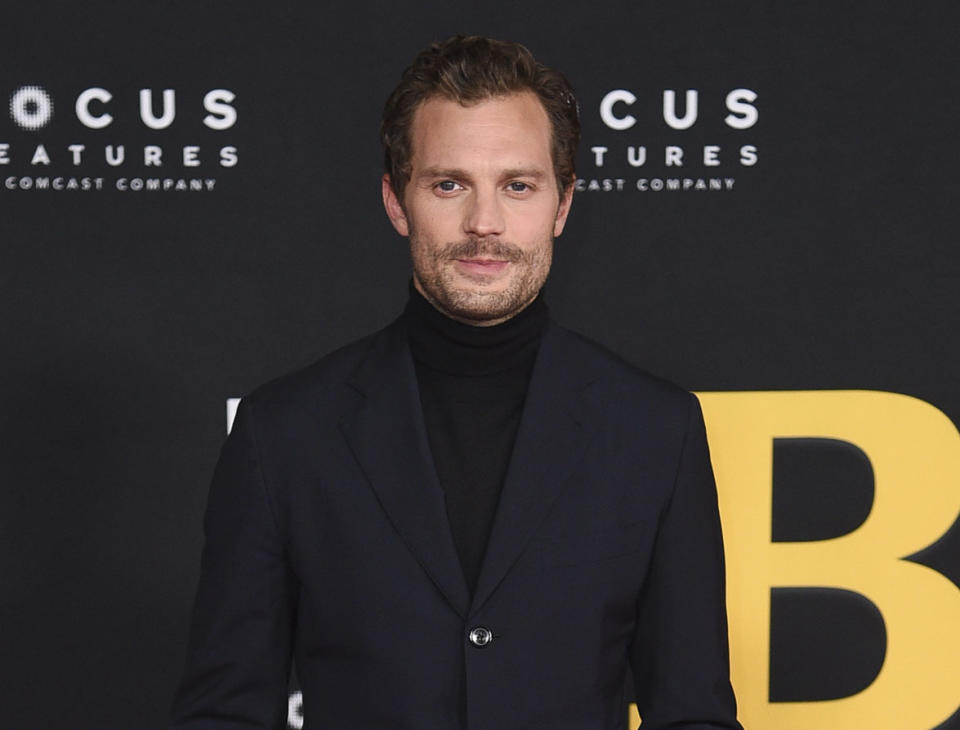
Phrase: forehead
x=509 y=129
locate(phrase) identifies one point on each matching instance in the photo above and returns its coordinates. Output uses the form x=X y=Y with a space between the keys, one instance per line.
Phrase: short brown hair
x=470 y=69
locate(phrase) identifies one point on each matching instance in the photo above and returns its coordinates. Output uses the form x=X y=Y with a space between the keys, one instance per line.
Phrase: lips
x=481 y=265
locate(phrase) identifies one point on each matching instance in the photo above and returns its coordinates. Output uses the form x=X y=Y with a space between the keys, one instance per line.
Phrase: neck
x=454 y=346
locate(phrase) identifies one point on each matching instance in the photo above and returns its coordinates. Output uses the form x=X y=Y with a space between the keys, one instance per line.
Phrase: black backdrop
x=130 y=316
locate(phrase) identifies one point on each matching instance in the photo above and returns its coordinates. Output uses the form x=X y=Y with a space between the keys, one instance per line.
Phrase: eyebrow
x=445 y=172
x=532 y=172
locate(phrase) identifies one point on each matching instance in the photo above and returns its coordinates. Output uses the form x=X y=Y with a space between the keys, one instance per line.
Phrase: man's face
x=482 y=207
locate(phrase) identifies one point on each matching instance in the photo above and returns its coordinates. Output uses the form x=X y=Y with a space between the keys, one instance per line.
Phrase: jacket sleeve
x=679 y=654
x=238 y=658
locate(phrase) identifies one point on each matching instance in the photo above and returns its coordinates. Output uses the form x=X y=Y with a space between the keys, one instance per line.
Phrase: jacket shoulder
x=613 y=375
x=322 y=380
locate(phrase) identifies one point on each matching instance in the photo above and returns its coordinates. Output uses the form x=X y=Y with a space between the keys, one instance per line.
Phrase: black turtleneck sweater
x=473 y=382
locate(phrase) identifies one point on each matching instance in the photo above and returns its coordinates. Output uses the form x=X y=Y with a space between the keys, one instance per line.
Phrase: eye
x=447 y=186
x=518 y=187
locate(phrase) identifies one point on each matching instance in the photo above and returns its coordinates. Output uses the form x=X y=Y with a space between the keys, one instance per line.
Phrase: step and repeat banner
x=765 y=213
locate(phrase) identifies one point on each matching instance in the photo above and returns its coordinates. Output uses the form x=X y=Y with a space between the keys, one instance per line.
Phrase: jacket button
x=480 y=636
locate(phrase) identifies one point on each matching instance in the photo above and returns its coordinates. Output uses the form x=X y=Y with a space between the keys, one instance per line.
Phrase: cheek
x=532 y=234
x=424 y=249
x=437 y=224
x=534 y=220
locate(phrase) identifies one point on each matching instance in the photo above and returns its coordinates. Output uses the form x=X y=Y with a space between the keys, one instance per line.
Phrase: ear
x=563 y=210
x=393 y=207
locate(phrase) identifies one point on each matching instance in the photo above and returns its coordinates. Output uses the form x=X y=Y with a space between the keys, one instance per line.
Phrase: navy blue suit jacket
x=327 y=540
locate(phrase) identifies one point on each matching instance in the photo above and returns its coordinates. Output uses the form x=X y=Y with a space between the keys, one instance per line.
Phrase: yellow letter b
x=914 y=451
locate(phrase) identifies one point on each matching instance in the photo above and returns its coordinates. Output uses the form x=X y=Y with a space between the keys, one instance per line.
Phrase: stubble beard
x=448 y=291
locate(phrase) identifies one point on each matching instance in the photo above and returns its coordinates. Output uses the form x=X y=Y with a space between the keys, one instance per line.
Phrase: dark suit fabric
x=327 y=540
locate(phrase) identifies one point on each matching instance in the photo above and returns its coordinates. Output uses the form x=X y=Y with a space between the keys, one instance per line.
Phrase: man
x=473 y=518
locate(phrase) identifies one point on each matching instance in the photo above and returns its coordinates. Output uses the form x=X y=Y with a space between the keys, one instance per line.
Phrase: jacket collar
x=388 y=437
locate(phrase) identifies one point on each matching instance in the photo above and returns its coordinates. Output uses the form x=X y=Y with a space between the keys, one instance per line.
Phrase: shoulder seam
x=267 y=494
x=691 y=399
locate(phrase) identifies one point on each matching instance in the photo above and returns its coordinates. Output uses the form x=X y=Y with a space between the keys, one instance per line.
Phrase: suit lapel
x=550 y=443
x=389 y=440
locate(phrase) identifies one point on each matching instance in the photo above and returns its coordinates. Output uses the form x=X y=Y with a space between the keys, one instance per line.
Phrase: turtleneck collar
x=455 y=348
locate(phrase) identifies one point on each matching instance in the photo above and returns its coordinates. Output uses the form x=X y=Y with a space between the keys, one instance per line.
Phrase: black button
x=480 y=636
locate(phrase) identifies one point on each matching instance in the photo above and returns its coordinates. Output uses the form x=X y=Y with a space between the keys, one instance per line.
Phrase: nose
x=484 y=215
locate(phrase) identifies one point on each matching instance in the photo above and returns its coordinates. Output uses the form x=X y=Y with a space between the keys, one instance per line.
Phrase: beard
x=476 y=298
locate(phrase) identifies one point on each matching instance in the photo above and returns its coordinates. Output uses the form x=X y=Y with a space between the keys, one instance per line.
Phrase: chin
x=485 y=305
